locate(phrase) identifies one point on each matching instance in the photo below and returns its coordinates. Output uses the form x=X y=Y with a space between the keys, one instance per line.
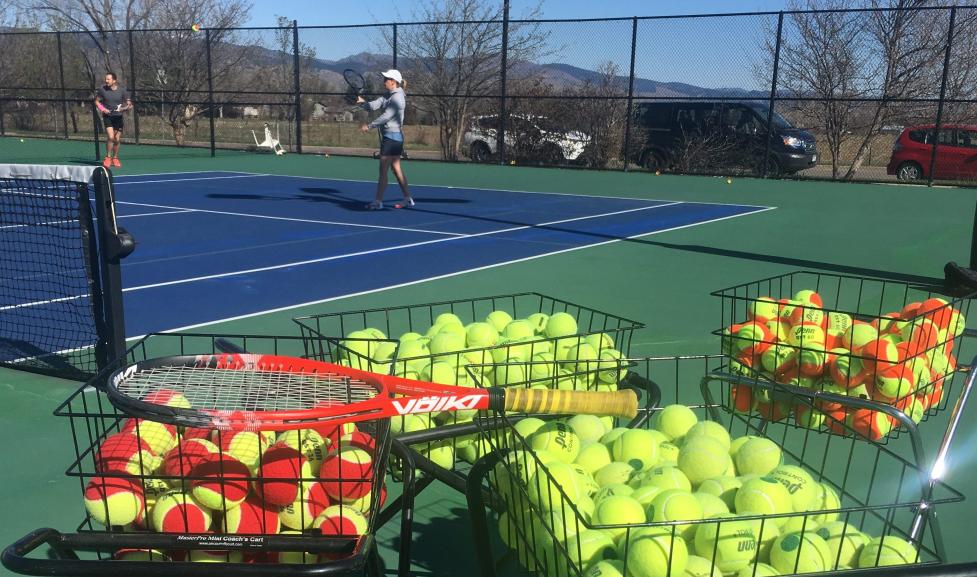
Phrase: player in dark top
x=112 y=100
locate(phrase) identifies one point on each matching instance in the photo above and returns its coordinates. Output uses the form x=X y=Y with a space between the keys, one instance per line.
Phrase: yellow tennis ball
x=844 y=543
x=702 y=458
x=613 y=474
x=674 y=421
x=887 y=551
x=606 y=568
x=618 y=510
x=799 y=553
x=676 y=505
x=588 y=428
x=560 y=324
x=663 y=477
x=712 y=506
x=710 y=429
x=550 y=486
x=804 y=491
x=701 y=567
x=653 y=552
x=593 y=457
x=557 y=438
x=758 y=456
x=723 y=487
x=765 y=496
x=758 y=570
x=730 y=544
x=637 y=447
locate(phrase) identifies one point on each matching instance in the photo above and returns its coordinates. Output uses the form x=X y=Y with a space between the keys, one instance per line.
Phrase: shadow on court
x=442 y=544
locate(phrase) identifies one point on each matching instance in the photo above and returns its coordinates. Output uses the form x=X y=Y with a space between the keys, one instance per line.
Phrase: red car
x=956 y=157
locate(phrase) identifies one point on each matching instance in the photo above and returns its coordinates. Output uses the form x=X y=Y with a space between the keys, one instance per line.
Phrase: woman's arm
x=394 y=105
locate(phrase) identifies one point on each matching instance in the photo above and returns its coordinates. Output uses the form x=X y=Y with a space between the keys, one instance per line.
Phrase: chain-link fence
x=839 y=94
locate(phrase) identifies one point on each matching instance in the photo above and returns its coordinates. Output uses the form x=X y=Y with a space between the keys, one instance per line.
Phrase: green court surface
x=904 y=233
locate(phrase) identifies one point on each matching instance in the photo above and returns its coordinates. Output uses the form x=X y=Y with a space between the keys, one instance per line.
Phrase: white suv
x=526 y=137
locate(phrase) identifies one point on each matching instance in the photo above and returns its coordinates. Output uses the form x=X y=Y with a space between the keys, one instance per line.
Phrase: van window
x=656 y=115
x=967 y=138
x=697 y=118
x=741 y=120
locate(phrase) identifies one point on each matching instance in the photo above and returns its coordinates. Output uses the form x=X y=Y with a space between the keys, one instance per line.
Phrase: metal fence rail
x=669 y=93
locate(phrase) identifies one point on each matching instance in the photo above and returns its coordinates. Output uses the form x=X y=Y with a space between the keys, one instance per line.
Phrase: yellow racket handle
x=613 y=404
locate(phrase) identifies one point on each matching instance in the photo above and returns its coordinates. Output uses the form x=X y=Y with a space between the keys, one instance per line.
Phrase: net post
x=627 y=125
x=939 y=106
x=64 y=96
x=298 y=86
x=210 y=97
x=773 y=91
x=112 y=320
x=96 y=121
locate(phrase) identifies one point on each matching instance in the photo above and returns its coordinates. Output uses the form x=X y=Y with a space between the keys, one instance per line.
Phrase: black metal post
x=395 y=46
x=500 y=132
x=210 y=97
x=64 y=94
x=629 y=119
x=3 y=130
x=939 y=107
x=298 y=87
x=773 y=92
x=132 y=87
x=95 y=125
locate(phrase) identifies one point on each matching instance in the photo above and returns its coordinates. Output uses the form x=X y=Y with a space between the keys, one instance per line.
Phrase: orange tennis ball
x=301 y=514
x=195 y=27
x=807 y=335
x=168 y=397
x=871 y=424
x=220 y=482
x=936 y=310
x=340 y=520
x=894 y=382
x=160 y=437
x=879 y=354
x=252 y=518
x=125 y=453
x=281 y=468
x=189 y=453
x=179 y=512
x=359 y=440
x=114 y=501
x=347 y=473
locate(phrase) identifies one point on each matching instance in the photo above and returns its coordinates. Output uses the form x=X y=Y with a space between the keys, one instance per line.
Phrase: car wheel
x=479 y=152
x=773 y=168
x=909 y=171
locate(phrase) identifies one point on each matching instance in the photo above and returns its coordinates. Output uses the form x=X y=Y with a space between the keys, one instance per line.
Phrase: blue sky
x=710 y=52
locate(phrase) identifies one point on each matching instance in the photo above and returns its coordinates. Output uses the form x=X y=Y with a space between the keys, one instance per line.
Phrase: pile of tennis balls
x=682 y=469
x=901 y=358
x=539 y=351
x=152 y=476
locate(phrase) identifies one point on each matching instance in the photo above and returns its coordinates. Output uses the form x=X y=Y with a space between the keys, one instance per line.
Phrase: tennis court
x=243 y=243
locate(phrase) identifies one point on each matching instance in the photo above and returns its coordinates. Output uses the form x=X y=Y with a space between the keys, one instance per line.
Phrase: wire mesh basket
x=305 y=501
x=811 y=501
x=891 y=343
x=437 y=342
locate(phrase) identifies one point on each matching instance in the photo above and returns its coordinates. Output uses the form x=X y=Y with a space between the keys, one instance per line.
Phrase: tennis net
x=60 y=295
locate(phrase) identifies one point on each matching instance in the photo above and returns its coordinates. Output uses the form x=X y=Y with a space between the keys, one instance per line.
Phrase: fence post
x=298 y=87
x=132 y=87
x=628 y=119
x=773 y=92
x=395 y=46
x=64 y=94
x=939 y=106
x=500 y=131
x=210 y=97
x=95 y=126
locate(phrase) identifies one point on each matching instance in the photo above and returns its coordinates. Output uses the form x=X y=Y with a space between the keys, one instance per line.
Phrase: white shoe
x=408 y=203
x=375 y=205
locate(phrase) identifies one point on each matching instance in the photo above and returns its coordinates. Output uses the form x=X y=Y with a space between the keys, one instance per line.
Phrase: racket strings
x=228 y=389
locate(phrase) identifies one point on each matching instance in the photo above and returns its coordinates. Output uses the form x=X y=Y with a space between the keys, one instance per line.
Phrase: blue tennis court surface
x=219 y=245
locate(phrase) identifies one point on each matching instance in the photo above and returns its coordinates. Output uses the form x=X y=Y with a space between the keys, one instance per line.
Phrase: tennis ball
x=870 y=424
x=409 y=424
x=481 y=334
x=709 y=429
x=663 y=477
x=445 y=343
x=252 y=517
x=618 y=510
x=592 y=457
x=612 y=435
x=365 y=503
x=611 y=369
x=341 y=520
x=588 y=428
x=729 y=544
x=637 y=447
x=220 y=482
x=280 y=469
x=22 y=140
x=702 y=458
x=676 y=505
x=806 y=335
x=179 y=512
x=613 y=474
x=308 y=442
x=668 y=453
x=645 y=494
x=245 y=446
x=757 y=570
x=804 y=491
x=160 y=437
x=140 y=554
x=844 y=543
x=346 y=473
x=303 y=511
x=858 y=335
x=582 y=549
x=557 y=438
x=758 y=456
x=549 y=485
x=611 y=491
x=712 y=506
x=168 y=397
x=518 y=329
x=800 y=553
x=674 y=421
x=700 y=566
x=887 y=551
x=188 y=453
x=126 y=453
x=765 y=496
x=827 y=501
x=606 y=568
x=512 y=372
x=542 y=368
x=560 y=324
x=895 y=382
x=653 y=552
x=498 y=319
x=114 y=501
x=723 y=487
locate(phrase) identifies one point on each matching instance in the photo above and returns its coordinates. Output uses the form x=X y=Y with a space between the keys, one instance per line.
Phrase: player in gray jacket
x=392 y=141
x=112 y=100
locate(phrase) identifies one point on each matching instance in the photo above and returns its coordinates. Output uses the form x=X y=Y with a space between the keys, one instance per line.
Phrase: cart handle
x=14 y=558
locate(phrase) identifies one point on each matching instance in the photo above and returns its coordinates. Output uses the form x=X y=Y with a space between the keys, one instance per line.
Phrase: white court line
x=447 y=275
x=187 y=179
x=292 y=219
x=521 y=191
x=55 y=222
x=175 y=173
x=157 y=213
x=380 y=250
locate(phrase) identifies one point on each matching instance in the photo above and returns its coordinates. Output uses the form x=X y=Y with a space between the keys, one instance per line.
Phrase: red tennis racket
x=269 y=392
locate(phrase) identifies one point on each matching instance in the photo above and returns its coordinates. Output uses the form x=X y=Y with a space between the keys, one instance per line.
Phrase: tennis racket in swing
x=355 y=85
x=248 y=392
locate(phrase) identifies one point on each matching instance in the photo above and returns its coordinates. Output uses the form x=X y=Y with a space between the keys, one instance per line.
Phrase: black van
x=717 y=137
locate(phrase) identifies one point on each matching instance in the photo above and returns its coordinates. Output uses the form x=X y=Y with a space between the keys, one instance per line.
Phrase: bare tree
x=454 y=59
x=601 y=113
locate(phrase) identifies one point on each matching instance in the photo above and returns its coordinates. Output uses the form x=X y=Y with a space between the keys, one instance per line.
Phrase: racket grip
x=613 y=404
